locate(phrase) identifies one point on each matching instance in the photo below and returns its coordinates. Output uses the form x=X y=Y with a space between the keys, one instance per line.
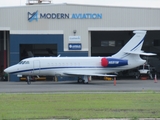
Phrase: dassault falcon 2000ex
x=83 y=67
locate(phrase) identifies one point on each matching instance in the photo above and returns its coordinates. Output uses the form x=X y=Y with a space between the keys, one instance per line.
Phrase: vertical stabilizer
x=133 y=45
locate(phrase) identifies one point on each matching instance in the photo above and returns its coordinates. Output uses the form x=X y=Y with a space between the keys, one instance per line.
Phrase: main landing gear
x=83 y=79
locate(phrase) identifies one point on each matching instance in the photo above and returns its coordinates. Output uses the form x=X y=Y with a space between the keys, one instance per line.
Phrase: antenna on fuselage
x=59 y=55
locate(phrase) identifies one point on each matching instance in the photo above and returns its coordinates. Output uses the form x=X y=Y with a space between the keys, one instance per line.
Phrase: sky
x=132 y=3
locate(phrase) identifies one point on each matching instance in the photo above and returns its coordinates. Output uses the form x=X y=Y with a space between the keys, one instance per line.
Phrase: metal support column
x=5 y=50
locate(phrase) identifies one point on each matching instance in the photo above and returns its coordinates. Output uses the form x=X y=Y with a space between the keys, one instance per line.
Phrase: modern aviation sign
x=35 y=16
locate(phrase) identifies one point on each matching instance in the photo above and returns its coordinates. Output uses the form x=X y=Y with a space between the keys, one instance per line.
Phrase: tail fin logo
x=32 y=16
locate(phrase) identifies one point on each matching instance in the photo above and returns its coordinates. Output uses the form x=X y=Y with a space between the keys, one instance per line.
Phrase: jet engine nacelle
x=113 y=62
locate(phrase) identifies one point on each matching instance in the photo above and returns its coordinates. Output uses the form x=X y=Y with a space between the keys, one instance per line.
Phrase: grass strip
x=79 y=106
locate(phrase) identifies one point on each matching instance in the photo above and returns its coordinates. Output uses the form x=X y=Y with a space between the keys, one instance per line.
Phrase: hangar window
x=156 y=42
x=120 y=43
x=105 y=43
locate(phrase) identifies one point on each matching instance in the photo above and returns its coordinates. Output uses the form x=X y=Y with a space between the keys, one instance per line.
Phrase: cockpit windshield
x=23 y=62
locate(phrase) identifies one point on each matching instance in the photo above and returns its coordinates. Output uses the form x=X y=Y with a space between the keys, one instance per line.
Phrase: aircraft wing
x=140 y=53
x=82 y=74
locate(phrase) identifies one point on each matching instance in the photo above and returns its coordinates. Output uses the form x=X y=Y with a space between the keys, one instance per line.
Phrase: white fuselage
x=58 y=66
x=127 y=58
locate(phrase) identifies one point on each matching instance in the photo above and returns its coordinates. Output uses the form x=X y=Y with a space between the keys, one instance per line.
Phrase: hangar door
x=4 y=38
x=106 y=43
x=37 y=50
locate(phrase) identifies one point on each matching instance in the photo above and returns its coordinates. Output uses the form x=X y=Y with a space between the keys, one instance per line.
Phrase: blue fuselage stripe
x=126 y=54
x=137 y=45
x=54 y=68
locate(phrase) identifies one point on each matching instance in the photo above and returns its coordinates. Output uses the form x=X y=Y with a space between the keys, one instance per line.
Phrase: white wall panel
x=114 y=18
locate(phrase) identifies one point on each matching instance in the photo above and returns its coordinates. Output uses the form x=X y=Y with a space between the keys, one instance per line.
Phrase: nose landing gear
x=28 y=80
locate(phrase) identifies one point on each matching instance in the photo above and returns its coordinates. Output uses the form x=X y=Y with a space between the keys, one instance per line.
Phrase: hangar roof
x=69 y=4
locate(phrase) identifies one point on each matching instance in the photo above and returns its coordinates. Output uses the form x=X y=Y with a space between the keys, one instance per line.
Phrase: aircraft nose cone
x=6 y=70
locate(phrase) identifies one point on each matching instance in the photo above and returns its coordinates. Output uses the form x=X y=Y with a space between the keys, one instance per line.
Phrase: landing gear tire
x=80 y=80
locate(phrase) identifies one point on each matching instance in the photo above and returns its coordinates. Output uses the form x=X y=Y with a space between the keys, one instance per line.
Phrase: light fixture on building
x=74 y=32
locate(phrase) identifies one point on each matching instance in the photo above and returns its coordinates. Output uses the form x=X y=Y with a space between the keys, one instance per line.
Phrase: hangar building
x=73 y=30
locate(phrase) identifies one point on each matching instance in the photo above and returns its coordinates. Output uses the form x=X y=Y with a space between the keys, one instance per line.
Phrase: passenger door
x=36 y=67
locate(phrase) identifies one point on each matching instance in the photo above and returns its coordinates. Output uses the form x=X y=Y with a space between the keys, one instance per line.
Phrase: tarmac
x=98 y=86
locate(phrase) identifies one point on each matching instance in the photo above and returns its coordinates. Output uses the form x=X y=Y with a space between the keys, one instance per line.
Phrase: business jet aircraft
x=83 y=67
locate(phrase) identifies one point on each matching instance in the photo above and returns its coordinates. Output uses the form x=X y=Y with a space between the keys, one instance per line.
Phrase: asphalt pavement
x=73 y=86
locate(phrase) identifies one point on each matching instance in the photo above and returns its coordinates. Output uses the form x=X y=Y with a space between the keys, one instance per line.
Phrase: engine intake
x=113 y=62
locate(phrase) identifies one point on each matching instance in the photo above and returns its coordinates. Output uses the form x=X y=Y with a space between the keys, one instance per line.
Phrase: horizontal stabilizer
x=140 y=53
x=82 y=74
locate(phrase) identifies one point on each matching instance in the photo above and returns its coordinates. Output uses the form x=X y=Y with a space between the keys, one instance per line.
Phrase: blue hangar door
x=29 y=45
